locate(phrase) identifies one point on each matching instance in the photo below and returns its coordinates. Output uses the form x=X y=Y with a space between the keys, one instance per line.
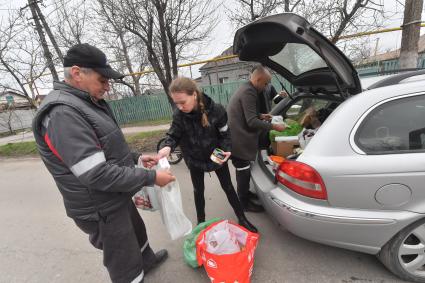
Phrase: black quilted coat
x=198 y=142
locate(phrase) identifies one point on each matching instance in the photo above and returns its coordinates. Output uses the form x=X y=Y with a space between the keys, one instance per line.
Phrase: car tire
x=412 y=238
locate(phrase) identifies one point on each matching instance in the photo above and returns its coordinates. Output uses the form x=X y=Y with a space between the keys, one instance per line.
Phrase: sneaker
x=161 y=256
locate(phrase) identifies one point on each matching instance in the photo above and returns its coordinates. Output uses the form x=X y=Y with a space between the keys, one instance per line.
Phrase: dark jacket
x=84 y=149
x=198 y=142
x=244 y=122
x=266 y=97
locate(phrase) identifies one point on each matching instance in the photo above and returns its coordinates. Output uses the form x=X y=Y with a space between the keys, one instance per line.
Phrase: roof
x=227 y=52
x=394 y=54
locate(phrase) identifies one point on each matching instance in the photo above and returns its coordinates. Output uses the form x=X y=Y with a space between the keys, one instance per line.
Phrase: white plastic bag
x=278 y=120
x=222 y=242
x=147 y=199
x=171 y=207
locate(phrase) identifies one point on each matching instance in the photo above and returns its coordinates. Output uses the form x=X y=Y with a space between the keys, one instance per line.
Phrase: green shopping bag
x=189 y=244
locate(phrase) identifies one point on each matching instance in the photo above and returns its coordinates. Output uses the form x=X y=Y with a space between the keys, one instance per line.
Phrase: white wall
x=21 y=119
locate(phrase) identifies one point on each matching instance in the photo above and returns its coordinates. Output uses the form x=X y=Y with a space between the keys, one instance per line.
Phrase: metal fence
x=141 y=108
x=156 y=107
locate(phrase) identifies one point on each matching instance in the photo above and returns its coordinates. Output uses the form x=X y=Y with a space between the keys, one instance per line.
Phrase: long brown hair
x=188 y=86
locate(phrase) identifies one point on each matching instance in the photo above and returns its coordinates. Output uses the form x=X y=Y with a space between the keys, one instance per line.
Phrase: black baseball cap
x=88 y=56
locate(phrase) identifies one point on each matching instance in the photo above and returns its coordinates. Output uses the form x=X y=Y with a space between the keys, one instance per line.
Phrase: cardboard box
x=284 y=148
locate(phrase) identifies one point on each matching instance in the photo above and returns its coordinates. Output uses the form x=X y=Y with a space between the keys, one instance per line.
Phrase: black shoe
x=161 y=256
x=251 y=195
x=248 y=225
x=200 y=220
x=249 y=206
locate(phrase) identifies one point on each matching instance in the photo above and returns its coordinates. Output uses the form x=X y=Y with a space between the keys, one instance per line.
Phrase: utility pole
x=39 y=28
x=410 y=34
x=48 y=31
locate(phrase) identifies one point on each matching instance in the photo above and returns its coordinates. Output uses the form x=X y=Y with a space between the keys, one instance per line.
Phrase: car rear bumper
x=360 y=230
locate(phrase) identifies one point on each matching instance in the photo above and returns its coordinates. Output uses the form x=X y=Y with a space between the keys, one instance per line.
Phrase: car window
x=396 y=126
x=297 y=110
x=298 y=58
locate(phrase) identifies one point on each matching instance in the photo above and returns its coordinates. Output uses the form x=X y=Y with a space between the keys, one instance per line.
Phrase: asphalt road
x=39 y=243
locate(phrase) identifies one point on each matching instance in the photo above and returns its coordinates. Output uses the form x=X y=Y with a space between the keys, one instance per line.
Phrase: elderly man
x=245 y=125
x=84 y=149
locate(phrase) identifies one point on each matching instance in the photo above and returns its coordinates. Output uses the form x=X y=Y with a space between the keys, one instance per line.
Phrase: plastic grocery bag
x=189 y=244
x=222 y=241
x=171 y=207
x=147 y=199
x=234 y=267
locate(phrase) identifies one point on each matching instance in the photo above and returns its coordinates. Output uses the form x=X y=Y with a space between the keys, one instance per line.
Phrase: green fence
x=156 y=107
x=141 y=108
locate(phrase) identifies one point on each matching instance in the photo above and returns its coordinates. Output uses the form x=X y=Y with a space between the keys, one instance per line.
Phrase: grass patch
x=141 y=142
x=147 y=123
x=18 y=149
x=145 y=141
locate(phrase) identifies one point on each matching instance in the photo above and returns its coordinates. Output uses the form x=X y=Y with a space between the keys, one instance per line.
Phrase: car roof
x=401 y=78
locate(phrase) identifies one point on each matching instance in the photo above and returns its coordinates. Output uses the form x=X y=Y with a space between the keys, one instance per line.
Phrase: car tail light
x=302 y=179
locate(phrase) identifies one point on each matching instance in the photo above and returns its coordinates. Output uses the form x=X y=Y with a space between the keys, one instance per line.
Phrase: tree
x=126 y=47
x=332 y=18
x=39 y=21
x=20 y=60
x=247 y=11
x=410 y=34
x=335 y=18
x=167 y=29
x=71 y=18
x=7 y=116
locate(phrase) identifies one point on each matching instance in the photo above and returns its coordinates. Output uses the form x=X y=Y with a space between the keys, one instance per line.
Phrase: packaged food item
x=278 y=120
x=217 y=155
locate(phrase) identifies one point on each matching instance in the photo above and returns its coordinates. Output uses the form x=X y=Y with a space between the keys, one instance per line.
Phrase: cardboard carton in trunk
x=284 y=148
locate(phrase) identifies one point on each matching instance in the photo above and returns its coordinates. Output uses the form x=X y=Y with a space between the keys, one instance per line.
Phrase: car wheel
x=404 y=254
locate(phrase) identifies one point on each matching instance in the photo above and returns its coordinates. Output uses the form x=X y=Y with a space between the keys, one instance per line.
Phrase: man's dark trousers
x=122 y=237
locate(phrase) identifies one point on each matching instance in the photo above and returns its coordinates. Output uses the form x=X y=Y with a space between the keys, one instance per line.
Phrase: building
x=15 y=99
x=388 y=61
x=224 y=71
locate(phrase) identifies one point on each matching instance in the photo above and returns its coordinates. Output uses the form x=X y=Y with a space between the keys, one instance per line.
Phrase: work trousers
x=122 y=237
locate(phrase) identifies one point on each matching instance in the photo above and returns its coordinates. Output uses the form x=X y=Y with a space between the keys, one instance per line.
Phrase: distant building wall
x=226 y=73
x=20 y=119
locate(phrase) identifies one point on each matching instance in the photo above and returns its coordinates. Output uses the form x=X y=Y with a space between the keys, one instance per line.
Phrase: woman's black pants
x=223 y=175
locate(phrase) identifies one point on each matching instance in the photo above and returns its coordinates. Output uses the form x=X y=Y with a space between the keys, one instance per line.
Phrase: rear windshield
x=298 y=58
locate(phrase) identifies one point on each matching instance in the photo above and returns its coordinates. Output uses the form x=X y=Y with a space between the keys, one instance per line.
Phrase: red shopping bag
x=228 y=268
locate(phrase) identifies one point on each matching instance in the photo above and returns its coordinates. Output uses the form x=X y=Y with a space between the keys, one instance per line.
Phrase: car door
x=387 y=168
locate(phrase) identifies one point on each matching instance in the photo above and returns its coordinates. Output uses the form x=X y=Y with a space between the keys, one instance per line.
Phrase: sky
x=222 y=36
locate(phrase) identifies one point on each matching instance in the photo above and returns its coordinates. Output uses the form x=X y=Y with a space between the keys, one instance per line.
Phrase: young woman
x=199 y=126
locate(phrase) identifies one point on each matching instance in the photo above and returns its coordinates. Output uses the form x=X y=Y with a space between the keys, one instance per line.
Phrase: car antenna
x=335 y=76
